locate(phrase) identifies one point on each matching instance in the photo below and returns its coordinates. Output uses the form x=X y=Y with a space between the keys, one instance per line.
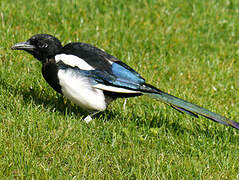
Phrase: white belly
x=78 y=89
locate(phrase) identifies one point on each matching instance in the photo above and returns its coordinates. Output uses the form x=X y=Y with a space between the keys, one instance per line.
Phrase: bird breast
x=79 y=89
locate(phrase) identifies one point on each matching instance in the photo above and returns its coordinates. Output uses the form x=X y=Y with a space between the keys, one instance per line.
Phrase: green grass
x=186 y=48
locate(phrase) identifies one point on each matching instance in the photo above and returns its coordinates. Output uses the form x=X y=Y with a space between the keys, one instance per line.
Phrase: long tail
x=189 y=108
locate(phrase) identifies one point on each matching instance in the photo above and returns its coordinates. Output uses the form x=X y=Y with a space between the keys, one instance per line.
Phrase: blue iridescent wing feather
x=110 y=71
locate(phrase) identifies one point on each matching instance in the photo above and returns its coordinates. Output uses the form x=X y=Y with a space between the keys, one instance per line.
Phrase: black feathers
x=49 y=72
x=95 y=57
x=41 y=46
x=92 y=78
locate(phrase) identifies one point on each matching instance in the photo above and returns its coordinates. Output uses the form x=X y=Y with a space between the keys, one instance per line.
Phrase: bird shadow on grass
x=55 y=103
x=64 y=107
x=60 y=104
x=160 y=120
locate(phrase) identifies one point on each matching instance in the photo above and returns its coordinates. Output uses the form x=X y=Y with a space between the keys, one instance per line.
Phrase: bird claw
x=88 y=119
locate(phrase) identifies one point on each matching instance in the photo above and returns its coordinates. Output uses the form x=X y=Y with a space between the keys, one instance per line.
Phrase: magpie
x=92 y=78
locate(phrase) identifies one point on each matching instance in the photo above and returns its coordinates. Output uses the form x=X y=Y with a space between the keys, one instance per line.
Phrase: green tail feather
x=192 y=109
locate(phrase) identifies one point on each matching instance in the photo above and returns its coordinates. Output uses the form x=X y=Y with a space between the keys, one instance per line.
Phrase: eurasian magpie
x=92 y=78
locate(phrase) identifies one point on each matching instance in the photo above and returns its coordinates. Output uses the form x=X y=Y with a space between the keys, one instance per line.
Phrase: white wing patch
x=78 y=89
x=73 y=61
x=114 y=89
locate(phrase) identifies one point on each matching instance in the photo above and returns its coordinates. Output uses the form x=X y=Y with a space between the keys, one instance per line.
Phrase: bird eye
x=45 y=45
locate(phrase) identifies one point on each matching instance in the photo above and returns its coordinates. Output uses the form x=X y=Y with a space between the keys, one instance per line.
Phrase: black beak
x=23 y=46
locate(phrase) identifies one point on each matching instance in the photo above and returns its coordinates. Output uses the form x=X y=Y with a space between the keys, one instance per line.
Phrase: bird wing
x=107 y=72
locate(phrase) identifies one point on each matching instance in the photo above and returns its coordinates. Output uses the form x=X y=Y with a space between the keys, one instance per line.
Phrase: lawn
x=187 y=48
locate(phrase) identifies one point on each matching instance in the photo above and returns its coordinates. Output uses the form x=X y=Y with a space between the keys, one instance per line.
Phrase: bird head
x=41 y=46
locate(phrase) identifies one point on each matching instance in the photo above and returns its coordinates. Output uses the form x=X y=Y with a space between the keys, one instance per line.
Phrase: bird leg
x=89 y=118
x=125 y=101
